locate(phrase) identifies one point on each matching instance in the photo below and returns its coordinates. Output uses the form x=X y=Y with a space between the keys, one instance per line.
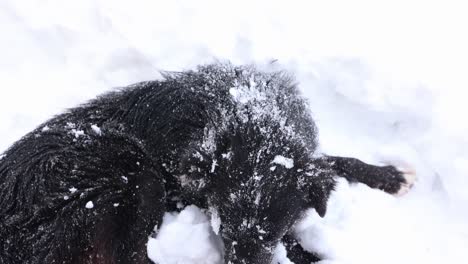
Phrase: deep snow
x=385 y=83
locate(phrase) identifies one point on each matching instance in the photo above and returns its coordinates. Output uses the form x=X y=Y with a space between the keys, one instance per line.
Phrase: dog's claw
x=410 y=178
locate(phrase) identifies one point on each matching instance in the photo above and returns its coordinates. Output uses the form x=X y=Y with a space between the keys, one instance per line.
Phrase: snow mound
x=186 y=237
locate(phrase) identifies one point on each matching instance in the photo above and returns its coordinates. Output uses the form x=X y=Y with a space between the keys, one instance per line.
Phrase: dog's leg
x=296 y=253
x=386 y=178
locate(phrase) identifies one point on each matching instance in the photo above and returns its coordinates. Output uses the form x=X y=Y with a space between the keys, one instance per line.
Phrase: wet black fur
x=183 y=139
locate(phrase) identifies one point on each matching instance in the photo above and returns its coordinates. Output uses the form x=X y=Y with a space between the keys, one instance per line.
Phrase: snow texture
x=215 y=220
x=286 y=162
x=383 y=86
x=96 y=130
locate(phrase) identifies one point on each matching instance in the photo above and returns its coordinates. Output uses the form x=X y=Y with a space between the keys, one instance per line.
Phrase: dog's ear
x=319 y=189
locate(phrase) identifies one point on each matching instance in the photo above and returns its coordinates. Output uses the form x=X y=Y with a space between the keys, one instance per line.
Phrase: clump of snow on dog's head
x=286 y=162
x=246 y=93
x=267 y=100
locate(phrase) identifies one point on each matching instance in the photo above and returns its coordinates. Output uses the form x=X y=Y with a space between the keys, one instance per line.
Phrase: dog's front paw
x=397 y=180
x=409 y=178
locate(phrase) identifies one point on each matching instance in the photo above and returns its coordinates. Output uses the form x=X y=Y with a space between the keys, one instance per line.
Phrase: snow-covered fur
x=89 y=185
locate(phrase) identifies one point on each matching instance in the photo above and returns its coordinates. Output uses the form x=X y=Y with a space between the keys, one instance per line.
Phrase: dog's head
x=253 y=162
x=258 y=185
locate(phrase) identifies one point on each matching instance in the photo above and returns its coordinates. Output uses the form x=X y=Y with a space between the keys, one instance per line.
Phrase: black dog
x=89 y=185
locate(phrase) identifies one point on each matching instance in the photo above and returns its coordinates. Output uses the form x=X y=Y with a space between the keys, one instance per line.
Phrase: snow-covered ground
x=386 y=83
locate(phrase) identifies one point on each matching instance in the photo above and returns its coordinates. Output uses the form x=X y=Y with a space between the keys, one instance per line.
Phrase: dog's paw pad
x=410 y=178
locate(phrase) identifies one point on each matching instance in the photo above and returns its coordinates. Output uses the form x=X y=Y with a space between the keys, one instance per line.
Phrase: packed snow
x=185 y=238
x=89 y=205
x=385 y=81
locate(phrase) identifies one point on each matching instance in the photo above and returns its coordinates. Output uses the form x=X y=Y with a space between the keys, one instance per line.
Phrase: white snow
x=215 y=220
x=45 y=128
x=385 y=82
x=281 y=160
x=213 y=166
x=185 y=238
x=73 y=189
x=77 y=133
x=70 y=125
x=244 y=94
x=96 y=130
x=89 y=205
